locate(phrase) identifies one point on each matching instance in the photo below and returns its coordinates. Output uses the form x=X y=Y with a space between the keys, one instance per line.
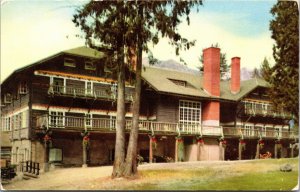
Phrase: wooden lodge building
x=47 y=105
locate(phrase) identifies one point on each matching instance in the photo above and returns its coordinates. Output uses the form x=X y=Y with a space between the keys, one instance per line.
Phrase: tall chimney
x=235 y=75
x=211 y=84
x=211 y=57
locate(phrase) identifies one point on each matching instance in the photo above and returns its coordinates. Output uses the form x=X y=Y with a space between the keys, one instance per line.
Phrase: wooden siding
x=167 y=109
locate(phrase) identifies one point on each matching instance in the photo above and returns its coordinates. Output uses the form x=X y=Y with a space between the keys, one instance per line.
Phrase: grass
x=251 y=175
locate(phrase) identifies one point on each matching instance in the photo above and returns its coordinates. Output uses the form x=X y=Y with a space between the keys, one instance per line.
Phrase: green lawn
x=253 y=175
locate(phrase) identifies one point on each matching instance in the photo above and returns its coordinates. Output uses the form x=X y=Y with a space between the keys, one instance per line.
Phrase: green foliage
x=265 y=70
x=224 y=67
x=284 y=76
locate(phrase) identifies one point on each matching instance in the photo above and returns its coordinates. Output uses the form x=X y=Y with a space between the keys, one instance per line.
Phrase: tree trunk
x=120 y=122
x=131 y=160
x=131 y=157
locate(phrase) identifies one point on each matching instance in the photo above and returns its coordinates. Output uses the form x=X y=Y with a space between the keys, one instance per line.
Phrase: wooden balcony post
x=198 y=151
x=240 y=151
x=221 y=152
x=275 y=150
x=84 y=156
x=150 y=150
x=46 y=157
x=176 y=150
x=292 y=150
x=257 y=151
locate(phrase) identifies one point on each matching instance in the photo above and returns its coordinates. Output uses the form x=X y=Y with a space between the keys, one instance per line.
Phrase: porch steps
x=27 y=176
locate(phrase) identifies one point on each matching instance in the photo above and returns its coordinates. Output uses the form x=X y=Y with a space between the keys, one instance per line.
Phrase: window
x=24 y=119
x=88 y=120
x=58 y=85
x=69 y=62
x=89 y=88
x=23 y=89
x=189 y=112
x=179 y=82
x=56 y=119
x=249 y=130
x=89 y=65
x=7 y=98
x=6 y=124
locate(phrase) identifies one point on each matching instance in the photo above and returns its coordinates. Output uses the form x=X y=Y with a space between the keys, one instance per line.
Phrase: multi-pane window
x=88 y=120
x=57 y=119
x=89 y=65
x=69 y=62
x=89 y=88
x=189 y=112
x=23 y=89
x=179 y=82
x=6 y=124
x=7 y=98
x=249 y=130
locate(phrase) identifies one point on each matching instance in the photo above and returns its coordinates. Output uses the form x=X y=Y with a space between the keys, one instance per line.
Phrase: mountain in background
x=176 y=66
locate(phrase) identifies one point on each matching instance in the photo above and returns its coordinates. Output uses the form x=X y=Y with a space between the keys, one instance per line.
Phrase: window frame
x=189 y=112
x=69 y=62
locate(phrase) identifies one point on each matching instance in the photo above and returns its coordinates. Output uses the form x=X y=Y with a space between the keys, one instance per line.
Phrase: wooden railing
x=71 y=122
x=96 y=92
x=264 y=110
x=257 y=133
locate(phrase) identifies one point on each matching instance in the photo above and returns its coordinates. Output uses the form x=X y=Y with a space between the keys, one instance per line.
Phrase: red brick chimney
x=235 y=75
x=211 y=81
x=211 y=84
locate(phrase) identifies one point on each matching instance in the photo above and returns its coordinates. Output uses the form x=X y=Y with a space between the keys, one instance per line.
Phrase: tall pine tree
x=285 y=74
x=136 y=23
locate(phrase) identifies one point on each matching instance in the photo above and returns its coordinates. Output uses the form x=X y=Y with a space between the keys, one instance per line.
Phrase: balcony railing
x=94 y=124
x=70 y=122
x=256 y=132
x=96 y=92
x=266 y=109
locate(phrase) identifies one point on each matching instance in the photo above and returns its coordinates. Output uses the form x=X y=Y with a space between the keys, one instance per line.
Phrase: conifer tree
x=130 y=25
x=285 y=74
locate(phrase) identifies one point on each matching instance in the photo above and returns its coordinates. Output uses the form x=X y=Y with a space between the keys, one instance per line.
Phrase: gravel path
x=99 y=177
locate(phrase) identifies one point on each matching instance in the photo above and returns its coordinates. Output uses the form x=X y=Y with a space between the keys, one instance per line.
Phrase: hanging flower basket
x=86 y=140
x=279 y=144
x=261 y=143
x=154 y=142
x=224 y=143
x=243 y=144
x=47 y=139
x=200 y=140
x=180 y=148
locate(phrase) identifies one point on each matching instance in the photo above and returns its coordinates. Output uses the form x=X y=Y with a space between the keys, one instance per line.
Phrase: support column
x=176 y=150
x=221 y=151
x=150 y=151
x=198 y=151
x=275 y=150
x=257 y=151
x=46 y=156
x=84 y=155
x=240 y=151
x=292 y=150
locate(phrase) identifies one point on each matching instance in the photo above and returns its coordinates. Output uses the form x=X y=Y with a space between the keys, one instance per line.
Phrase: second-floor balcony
x=103 y=92
x=109 y=124
x=264 y=109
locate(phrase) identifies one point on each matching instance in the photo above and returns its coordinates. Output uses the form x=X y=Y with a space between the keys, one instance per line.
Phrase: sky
x=33 y=30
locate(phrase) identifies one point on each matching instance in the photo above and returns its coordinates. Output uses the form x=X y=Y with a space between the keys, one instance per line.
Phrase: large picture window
x=189 y=112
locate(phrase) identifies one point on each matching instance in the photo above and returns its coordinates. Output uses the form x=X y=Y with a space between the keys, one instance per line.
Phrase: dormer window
x=89 y=65
x=179 y=82
x=7 y=98
x=23 y=88
x=69 y=62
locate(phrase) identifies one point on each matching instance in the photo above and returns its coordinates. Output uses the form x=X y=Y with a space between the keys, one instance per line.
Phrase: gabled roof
x=79 y=51
x=159 y=80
